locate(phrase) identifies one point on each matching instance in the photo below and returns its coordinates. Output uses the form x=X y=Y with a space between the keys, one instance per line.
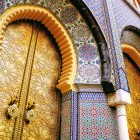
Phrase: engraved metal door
x=29 y=70
x=133 y=110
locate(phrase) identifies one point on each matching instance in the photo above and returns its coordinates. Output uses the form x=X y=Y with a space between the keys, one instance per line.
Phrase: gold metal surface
x=12 y=63
x=133 y=110
x=29 y=70
x=25 y=85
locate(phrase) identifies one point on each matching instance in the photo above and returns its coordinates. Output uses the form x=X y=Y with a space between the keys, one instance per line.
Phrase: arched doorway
x=133 y=110
x=29 y=70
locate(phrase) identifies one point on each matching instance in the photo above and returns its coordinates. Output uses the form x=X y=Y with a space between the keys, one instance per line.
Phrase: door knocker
x=13 y=109
x=30 y=114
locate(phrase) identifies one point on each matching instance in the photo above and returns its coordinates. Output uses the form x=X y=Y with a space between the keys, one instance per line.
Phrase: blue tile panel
x=97 y=121
x=124 y=16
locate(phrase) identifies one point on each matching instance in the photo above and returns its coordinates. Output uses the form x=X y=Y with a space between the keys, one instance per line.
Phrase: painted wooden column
x=122 y=122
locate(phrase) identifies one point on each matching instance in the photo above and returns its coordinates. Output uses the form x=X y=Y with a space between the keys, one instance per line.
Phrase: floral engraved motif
x=20 y=53
x=43 y=116
x=40 y=62
x=40 y=133
x=8 y=72
x=30 y=115
x=13 y=110
x=42 y=84
x=5 y=47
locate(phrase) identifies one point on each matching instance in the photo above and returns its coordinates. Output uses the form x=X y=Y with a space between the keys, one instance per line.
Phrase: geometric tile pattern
x=116 y=45
x=123 y=80
x=69 y=116
x=122 y=14
x=66 y=117
x=97 y=9
x=79 y=31
x=97 y=121
x=87 y=70
x=74 y=117
x=87 y=52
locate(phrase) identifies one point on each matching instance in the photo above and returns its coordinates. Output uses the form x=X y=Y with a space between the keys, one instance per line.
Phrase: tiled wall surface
x=97 y=121
x=124 y=15
x=66 y=116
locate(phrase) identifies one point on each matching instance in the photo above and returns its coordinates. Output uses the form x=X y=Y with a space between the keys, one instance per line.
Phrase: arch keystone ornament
x=66 y=46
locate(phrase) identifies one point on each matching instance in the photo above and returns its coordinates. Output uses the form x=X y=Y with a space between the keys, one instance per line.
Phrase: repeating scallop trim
x=132 y=52
x=66 y=46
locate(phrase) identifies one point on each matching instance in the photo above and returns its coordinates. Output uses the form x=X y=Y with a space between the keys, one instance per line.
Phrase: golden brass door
x=29 y=70
x=133 y=110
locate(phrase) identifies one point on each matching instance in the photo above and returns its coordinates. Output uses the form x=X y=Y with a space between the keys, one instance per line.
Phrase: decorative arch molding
x=132 y=52
x=66 y=46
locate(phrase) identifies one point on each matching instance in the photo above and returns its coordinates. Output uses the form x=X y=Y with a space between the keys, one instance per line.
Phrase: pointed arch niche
x=66 y=46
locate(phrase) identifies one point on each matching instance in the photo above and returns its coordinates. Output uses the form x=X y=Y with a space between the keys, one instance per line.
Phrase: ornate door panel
x=29 y=70
x=133 y=110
